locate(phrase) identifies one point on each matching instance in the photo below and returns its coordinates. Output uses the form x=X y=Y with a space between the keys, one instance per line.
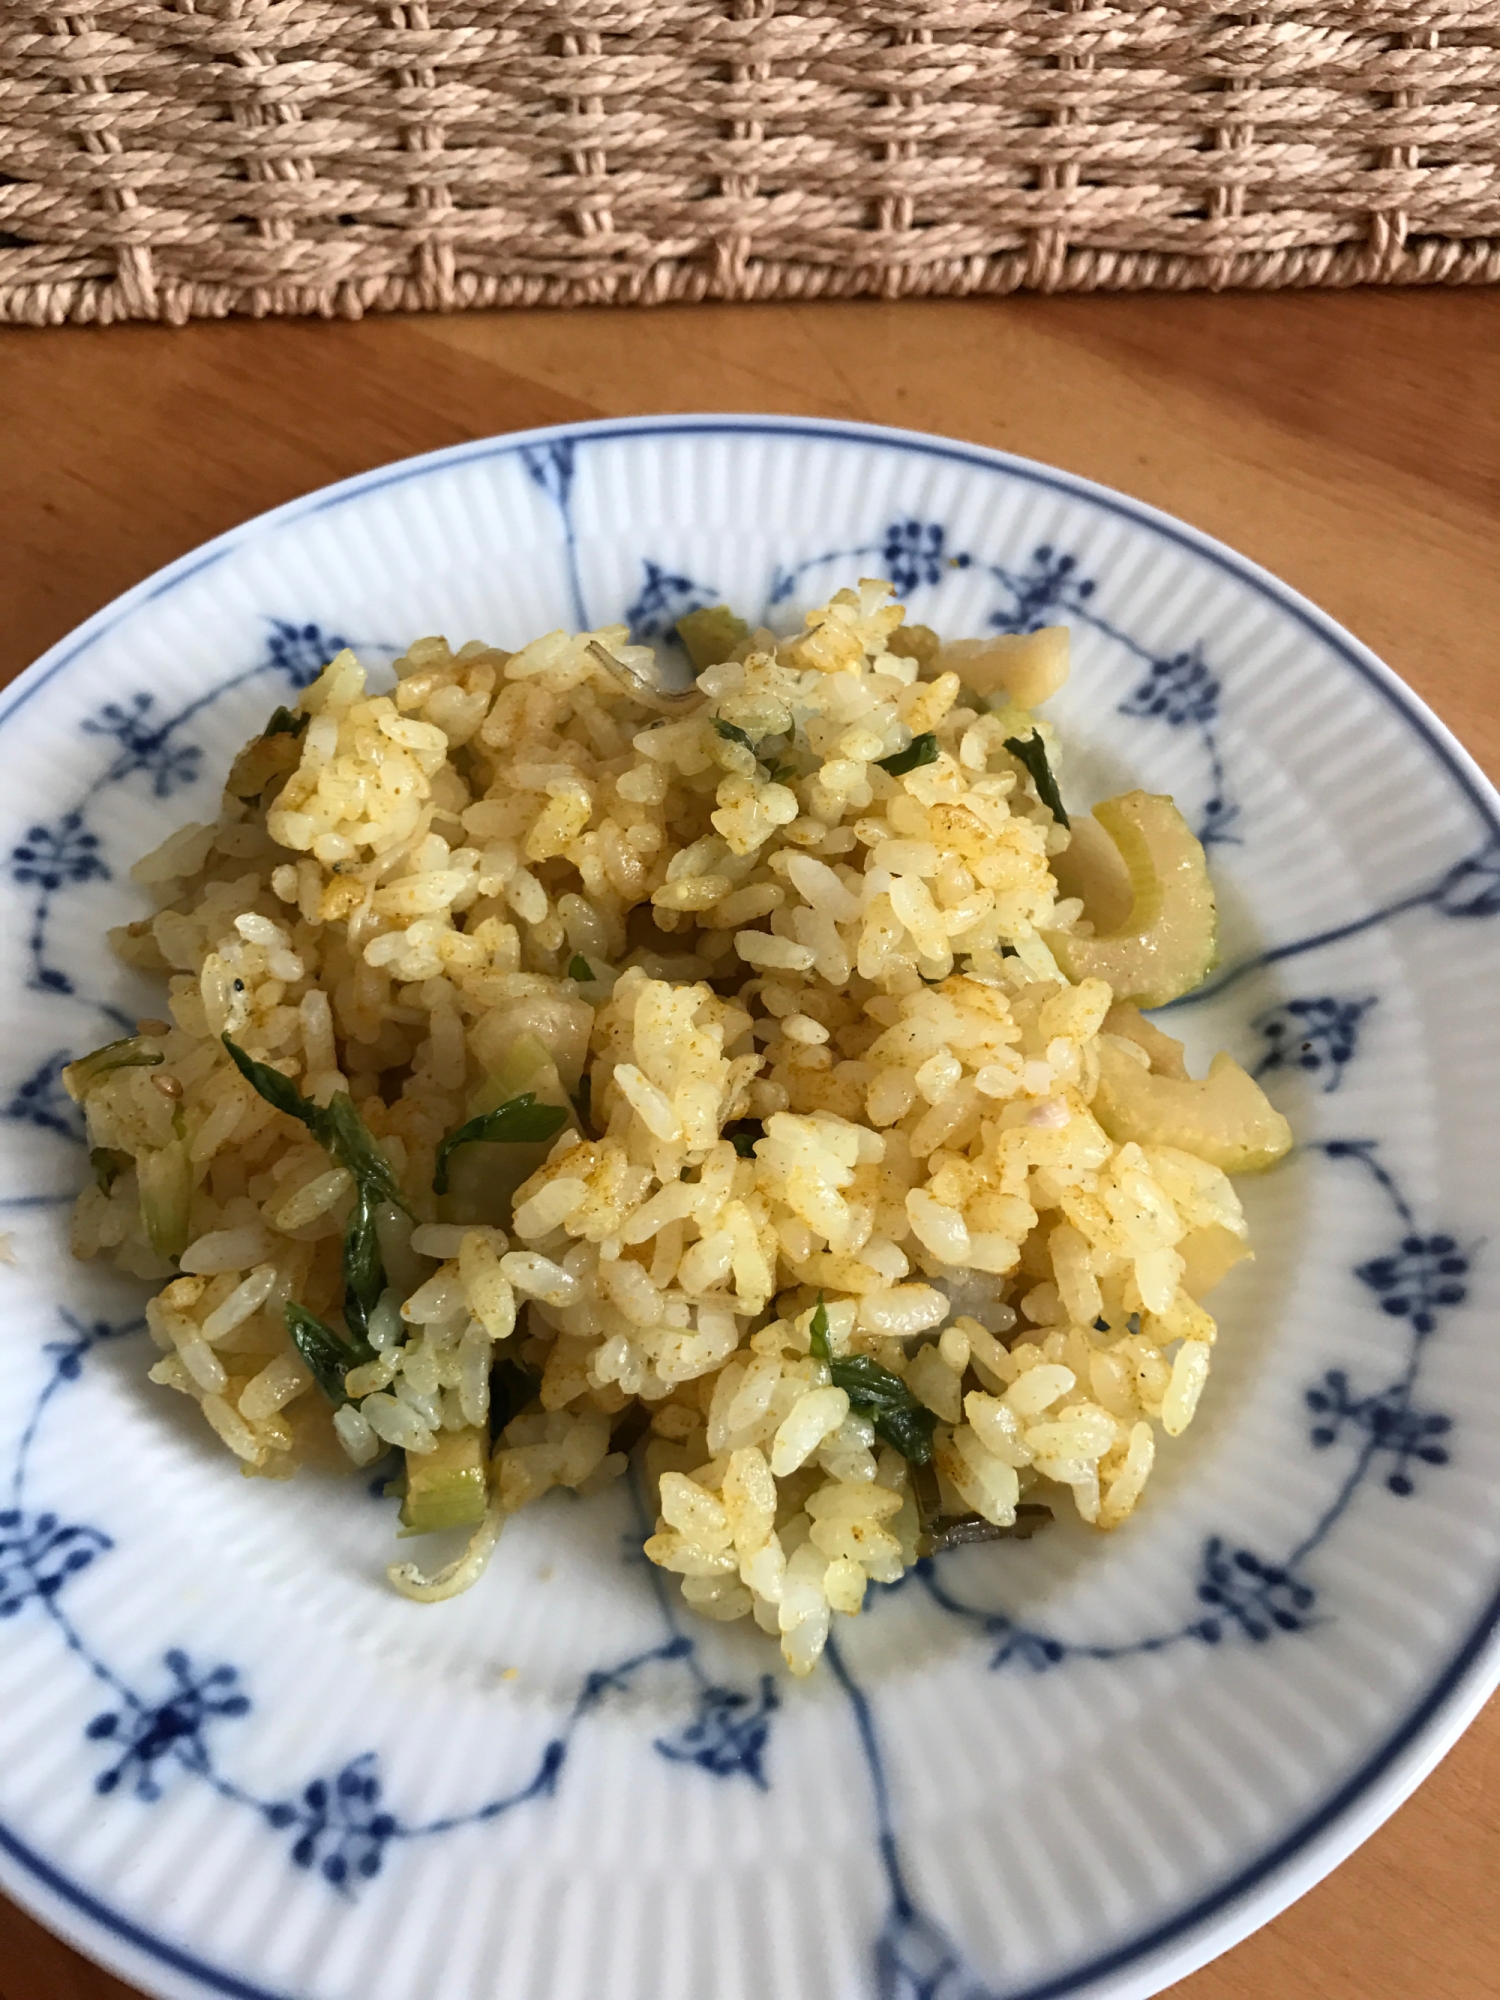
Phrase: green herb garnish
x=328 y=1356
x=876 y=1393
x=344 y=1136
x=276 y=1089
x=353 y=1146
x=284 y=723
x=885 y=1399
x=817 y=1333
x=743 y=1134
x=1032 y=752
x=337 y=1126
x=579 y=968
x=364 y=1270
x=732 y=733
x=521 y=1121
x=776 y=774
x=921 y=750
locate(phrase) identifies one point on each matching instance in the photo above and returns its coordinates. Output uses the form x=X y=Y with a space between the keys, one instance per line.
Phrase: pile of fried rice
x=564 y=1066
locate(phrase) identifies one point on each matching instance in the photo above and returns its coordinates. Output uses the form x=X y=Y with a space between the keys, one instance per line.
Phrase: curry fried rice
x=560 y=1058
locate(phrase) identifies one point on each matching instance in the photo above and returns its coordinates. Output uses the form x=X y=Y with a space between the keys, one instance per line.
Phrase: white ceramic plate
x=232 y=1762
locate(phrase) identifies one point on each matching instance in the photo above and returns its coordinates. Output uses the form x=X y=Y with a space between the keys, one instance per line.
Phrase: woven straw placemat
x=166 y=158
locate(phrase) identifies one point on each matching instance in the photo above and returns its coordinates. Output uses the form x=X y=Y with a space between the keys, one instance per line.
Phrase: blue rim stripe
x=1460 y=767
x=122 y=1927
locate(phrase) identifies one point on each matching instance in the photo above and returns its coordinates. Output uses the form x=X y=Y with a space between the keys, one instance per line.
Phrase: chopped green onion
x=776 y=774
x=1032 y=752
x=520 y=1122
x=921 y=750
x=579 y=968
x=884 y=1398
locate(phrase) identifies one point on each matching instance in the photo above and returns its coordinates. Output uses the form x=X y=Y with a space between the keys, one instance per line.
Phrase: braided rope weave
x=161 y=159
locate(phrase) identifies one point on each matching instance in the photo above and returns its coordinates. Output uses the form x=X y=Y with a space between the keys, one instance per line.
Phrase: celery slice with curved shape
x=1167 y=945
x=446 y=1487
x=1224 y=1117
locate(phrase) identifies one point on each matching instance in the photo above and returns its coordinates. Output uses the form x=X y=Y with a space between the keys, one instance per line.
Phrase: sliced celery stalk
x=165 y=1177
x=1166 y=946
x=445 y=1487
x=1224 y=1117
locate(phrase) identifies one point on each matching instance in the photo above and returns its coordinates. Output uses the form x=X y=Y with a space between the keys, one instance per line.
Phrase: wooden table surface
x=1350 y=442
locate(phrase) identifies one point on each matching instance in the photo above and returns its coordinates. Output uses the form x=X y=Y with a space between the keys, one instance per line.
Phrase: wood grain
x=1350 y=442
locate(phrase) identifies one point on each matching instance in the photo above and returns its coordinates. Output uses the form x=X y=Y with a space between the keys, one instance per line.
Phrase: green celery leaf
x=521 y=1121
x=364 y=1270
x=921 y=750
x=276 y=1089
x=1032 y=752
x=329 y=1357
x=352 y=1144
x=883 y=1397
x=732 y=734
x=337 y=1126
x=817 y=1333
